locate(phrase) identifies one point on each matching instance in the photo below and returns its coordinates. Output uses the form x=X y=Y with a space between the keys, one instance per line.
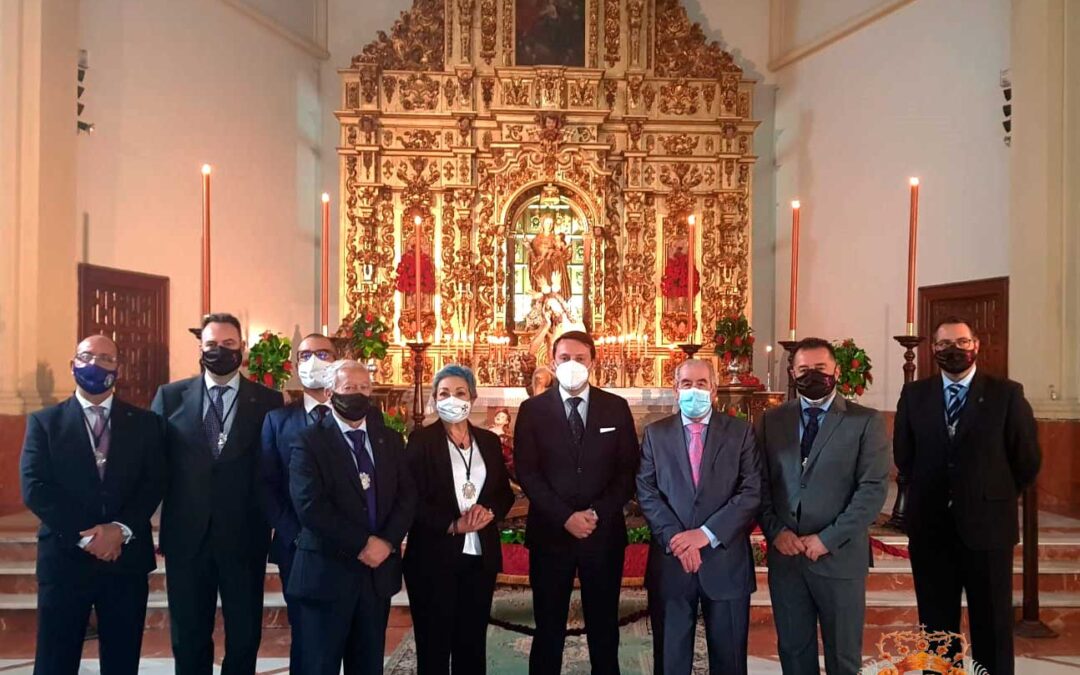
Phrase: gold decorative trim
x=489 y=24
x=682 y=49
x=415 y=42
x=612 y=30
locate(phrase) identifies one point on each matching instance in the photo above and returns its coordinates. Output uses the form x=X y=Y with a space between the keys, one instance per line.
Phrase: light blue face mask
x=695 y=403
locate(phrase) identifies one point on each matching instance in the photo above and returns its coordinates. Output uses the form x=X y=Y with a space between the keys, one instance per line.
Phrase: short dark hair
x=223 y=317
x=813 y=343
x=577 y=336
x=953 y=319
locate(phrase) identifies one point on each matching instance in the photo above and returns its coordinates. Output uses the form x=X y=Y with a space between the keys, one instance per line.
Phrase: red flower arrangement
x=269 y=360
x=674 y=282
x=734 y=338
x=406 y=273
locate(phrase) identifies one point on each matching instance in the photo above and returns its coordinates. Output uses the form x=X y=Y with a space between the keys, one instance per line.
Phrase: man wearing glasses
x=214 y=534
x=93 y=472
x=968 y=442
x=314 y=356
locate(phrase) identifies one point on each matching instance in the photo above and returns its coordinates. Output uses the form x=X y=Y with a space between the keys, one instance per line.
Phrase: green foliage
x=396 y=420
x=734 y=338
x=269 y=360
x=855 y=367
x=370 y=336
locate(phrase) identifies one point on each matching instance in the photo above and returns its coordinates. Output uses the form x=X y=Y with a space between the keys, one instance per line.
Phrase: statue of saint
x=549 y=257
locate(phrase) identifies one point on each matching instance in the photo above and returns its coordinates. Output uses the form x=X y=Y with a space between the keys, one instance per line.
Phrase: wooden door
x=985 y=303
x=132 y=309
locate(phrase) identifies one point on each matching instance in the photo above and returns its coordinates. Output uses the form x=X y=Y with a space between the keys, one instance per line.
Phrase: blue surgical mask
x=93 y=379
x=695 y=403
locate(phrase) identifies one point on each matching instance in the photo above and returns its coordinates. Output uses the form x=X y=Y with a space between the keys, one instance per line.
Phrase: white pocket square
x=605 y=430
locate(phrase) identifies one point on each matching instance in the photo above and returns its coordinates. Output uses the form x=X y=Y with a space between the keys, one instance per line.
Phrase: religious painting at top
x=550 y=33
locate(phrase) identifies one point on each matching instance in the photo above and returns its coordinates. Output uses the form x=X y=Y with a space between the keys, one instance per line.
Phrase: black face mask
x=815 y=385
x=353 y=407
x=954 y=360
x=221 y=360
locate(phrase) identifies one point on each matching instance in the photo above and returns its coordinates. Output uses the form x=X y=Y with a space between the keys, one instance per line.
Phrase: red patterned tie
x=696 y=450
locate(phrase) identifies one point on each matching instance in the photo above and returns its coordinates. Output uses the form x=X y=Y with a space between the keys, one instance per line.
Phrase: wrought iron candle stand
x=418 y=349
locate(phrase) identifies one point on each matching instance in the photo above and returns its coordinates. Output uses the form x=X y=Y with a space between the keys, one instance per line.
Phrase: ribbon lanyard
x=96 y=438
x=221 y=419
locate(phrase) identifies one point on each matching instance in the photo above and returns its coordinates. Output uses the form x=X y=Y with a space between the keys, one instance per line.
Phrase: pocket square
x=605 y=430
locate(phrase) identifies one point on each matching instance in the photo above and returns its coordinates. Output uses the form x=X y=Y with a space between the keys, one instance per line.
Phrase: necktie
x=696 y=450
x=365 y=466
x=214 y=421
x=577 y=425
x=810 y=432
x=957 y=398
x=101 y=436
x=318 y=413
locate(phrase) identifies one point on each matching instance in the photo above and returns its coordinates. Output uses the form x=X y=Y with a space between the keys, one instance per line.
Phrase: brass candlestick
x=690 y=349
x=418 y=349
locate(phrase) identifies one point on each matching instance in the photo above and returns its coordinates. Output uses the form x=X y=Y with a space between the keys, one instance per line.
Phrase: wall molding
x=782 y=55
x=314 y=45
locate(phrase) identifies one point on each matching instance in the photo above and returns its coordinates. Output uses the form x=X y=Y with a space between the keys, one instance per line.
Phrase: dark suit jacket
x=278 y=431
x=430 y=546
x=839 y=493
x=221 y=494
x=560 y=478
x=725 y=500
x=330 y=503
x=993 y=457
x=60 y=484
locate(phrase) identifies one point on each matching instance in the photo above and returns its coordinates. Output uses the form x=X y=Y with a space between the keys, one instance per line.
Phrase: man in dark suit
x=353 y=492
x=214 y=534
x=699 y=487
x=826 y=463
x=968 y=441
x=93 y=472
x=314 y=356
x=576 y=454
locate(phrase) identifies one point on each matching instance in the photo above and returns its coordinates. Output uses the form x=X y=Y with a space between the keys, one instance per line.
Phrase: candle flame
x=795 y=204
x=206 y=169
x=914 y=181
x=417 y=220
x=691 y=219
x=325 y=198
x=768 y=349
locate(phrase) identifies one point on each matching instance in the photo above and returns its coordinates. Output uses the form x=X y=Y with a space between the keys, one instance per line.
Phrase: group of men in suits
x=330 y=480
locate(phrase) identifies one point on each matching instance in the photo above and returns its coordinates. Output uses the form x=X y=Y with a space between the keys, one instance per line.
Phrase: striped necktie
x=957 y=397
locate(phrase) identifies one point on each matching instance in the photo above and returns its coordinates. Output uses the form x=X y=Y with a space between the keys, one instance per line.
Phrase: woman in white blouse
x=453 y=552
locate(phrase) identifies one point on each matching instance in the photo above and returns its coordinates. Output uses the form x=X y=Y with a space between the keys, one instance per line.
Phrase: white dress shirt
x=91 y=421
x=583 y=407
x=345 y=428
x=310 y=403
x=477 y=475
x=686 y=421
x=227 y=399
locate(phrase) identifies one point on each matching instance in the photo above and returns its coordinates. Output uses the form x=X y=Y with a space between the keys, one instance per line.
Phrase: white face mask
x=453 y=410
x=315 y=374
x=571 y=375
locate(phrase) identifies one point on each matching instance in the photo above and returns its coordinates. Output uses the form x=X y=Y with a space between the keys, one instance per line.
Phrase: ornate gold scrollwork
x=488 y=30
x=612 y=29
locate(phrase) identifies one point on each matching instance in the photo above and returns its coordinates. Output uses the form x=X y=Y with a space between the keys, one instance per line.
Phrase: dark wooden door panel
x=132 y=309
x=985 y=303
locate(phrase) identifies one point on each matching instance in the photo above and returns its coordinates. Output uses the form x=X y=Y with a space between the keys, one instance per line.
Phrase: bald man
x=92 y=470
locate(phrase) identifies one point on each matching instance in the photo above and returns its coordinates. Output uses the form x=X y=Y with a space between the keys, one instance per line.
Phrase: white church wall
x=173 y=85
x=916 y=93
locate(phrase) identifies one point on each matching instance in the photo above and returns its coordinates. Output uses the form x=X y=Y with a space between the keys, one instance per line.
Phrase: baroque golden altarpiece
x=548 y=196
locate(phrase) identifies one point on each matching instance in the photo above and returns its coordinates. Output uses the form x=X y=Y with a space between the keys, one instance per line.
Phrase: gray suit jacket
x=725 y=500
x=837 y=495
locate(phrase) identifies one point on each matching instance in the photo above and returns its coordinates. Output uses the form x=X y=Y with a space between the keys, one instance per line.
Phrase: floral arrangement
x=370 y=336
x=673 y=283
x=732 y=411
x=406 y=273
x=270 y=360
x=734 y=338
x=855 y=367
x=397 y=419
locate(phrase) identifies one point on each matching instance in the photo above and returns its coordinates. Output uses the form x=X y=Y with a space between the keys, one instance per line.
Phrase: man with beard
x=968 y=443
x=826 y=462
x=214 y=535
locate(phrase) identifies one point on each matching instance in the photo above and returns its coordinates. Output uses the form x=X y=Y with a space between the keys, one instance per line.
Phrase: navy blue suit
x=344 y=604
x=61 y=485
x=279 y=431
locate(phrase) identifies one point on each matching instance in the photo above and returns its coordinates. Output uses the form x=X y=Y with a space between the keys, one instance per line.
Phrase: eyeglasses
x=90 y=357
x=962 y=343
x=321 y=354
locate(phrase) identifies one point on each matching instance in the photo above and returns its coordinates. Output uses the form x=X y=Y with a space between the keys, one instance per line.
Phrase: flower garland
x=406 y=273
x=370 y=336
x=734 y=338
x=855 y=368
x=269 y=360
x=673 y=284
